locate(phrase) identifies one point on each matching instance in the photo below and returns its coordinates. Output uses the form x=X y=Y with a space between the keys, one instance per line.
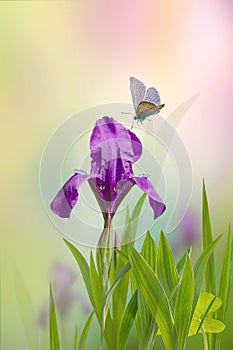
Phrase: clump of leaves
x=152 y=291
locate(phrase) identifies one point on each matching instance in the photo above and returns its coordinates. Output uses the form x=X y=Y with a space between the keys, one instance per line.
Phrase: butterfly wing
x=152 y=95
x=138 y=91
x=147 y=108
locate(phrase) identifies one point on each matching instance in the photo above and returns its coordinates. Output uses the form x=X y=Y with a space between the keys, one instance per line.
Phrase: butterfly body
x=146 y=101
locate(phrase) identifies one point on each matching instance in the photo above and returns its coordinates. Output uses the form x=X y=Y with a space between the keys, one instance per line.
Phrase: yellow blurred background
x=60 y=57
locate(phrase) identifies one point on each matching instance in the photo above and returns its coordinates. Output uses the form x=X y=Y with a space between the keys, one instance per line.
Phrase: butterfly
x=146 y=102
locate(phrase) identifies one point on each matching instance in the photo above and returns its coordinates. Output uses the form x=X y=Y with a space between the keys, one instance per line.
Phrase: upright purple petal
x=110 y=141
x=155 y=201
x=67 y=197
x=113 y=151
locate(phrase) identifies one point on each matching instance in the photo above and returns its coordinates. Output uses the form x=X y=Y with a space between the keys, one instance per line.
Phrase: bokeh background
x=60 y=57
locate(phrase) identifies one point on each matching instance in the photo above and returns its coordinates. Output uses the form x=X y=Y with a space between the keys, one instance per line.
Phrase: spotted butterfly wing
x=146 y=101
x=152 y=95
x=138 y=91
x=147 y=108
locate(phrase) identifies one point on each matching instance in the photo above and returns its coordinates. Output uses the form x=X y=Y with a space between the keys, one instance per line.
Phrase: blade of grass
x=53 y=328
x=225 y=284
x=84 y=268
x=200 y=269
x=154 y=296
x=183 y=303
x=149 y=251
x=83 y=337
x=146 y=325
x=127 y=320
x=136 y=213
x=107 y=297
x=119 y=297
x=210 y=269
x=207 y=240
x=76 y=339
x=97 y=288
x=166 y=266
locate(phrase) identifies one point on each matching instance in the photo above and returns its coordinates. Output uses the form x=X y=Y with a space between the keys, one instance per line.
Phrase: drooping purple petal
x=67 y=197
x=155 y=201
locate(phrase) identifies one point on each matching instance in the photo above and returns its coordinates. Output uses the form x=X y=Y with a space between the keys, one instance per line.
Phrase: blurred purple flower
x=189 y=231
x=113 y=150
x=62 y=279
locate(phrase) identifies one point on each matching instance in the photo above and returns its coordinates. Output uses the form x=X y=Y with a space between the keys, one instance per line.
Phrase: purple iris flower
x=113 y=150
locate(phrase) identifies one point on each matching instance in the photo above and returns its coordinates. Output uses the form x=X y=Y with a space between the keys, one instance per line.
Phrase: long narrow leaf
x=166 y=268
x=154 y=296
x=108 y=295
x=200 y=269
x=53 y=329
x=84 y=268
x=127 y=320
x=183 y=304
x=145 y=322
x=97 y=288
x=149 y=251
x=225 y=284
x=207 y=240
x=76 y=339
x=119 y=297
x=146 y=325
x=85 y=331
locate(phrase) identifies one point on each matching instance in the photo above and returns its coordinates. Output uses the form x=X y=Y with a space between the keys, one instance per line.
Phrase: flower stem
x=205 y=341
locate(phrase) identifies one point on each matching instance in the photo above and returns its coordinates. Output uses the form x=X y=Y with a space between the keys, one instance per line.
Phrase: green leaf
x=127 y=235
x=213 y=326
x=131 y=223
x=200 y=269
x=98 y=295
x=207 y=304
x=107 y=297
x=127 y=320
x=207 y=240
x=210 y=325
x=53 y=329
x=84 y=268
x=145 y=322
x=225 y=283
x=205 y=300
x=146 y=325
x=76 y=339
x=120 y=294
x=181 y=263
x=149 y=251
x=183 y=303
x=166 y=268
x=97 y=288
x=85 y=331
x=154 y=296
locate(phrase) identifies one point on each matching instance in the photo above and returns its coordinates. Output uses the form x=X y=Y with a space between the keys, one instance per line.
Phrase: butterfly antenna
x=132 y=124
x=126 y=113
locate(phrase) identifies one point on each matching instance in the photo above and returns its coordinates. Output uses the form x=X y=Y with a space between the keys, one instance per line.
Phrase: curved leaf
x=184 y=303
x=154 y=296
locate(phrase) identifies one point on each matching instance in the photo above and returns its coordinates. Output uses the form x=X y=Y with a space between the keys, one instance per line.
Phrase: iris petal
x=155 y=201
x=67 y=197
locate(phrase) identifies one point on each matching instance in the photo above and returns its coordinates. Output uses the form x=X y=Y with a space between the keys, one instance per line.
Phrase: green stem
x=205 y=341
